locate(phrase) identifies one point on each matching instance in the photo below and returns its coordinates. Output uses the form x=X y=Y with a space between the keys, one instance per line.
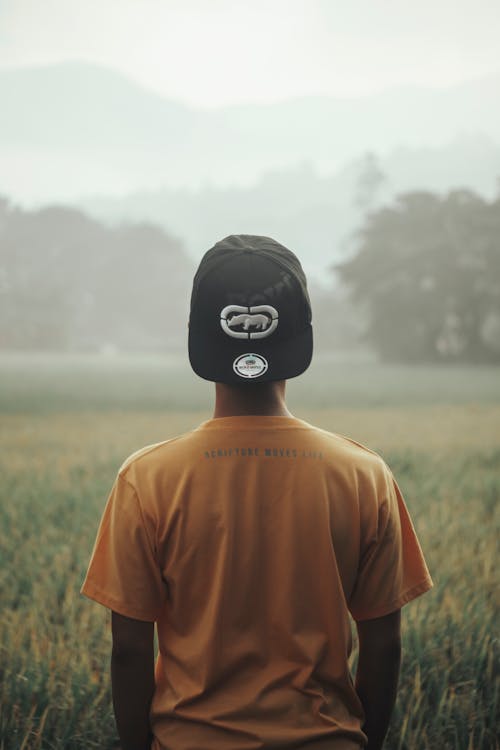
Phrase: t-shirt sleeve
x=392 y=569
x=123 y=572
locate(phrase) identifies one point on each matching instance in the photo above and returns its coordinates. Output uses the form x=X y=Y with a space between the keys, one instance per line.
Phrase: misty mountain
x=74 y=129
x=316 y=215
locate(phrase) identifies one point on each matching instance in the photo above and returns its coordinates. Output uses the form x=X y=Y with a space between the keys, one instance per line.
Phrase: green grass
x=57 y=467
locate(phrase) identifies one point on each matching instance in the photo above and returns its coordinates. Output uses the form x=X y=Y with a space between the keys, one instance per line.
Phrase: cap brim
x=285 y=359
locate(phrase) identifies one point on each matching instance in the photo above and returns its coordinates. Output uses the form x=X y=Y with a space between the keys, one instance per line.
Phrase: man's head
x=250 y=318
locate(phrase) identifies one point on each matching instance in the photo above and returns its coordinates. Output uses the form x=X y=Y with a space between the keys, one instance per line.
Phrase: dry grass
x=67 y=439
x=56 y=472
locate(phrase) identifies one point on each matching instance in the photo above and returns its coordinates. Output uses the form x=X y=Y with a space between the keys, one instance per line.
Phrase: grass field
x=68 y=423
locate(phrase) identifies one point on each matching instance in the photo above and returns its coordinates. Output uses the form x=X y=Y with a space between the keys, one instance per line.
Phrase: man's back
x=249 y=540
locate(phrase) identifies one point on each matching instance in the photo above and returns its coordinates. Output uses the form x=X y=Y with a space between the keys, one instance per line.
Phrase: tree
x=369 y=182
x=427 y=272
x=68 y=282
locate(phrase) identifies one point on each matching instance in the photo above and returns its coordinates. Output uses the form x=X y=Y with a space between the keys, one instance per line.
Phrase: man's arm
x=132 y=679
x=377 y=673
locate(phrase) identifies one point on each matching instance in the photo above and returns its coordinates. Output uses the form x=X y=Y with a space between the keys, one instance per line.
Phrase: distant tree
x=70 y=282
x=369 y=182
x=35 y=307
x=337 y=324
x=427 y=272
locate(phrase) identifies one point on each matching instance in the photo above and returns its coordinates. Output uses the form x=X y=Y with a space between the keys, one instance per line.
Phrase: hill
x=74 y=128
x=314 y=214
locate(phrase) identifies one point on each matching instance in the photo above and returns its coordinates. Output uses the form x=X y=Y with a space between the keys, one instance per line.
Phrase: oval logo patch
x=250 y=365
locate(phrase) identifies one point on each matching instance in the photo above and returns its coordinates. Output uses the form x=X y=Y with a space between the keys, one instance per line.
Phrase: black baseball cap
x=250 y=317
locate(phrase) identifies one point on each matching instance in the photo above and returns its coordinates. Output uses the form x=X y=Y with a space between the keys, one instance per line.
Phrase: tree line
x=421 y=283
x=70 y=283
x=426 y=275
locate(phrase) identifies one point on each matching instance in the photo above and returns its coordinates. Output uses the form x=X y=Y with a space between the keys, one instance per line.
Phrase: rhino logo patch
x=255 y=322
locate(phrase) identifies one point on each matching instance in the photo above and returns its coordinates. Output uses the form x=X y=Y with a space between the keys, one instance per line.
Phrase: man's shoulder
x=170 y=455
x=349 y=448
x=152 y=455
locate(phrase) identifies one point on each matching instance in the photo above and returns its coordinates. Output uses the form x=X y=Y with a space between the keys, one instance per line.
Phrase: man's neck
x=259 y=399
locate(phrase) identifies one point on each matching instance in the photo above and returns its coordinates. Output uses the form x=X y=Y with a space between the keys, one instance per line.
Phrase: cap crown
x=249 y=298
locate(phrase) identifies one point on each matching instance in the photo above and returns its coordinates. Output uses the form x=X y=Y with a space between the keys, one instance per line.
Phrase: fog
x=134 y=136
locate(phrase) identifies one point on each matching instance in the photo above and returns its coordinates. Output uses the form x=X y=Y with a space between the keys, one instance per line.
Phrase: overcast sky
x=212 y=52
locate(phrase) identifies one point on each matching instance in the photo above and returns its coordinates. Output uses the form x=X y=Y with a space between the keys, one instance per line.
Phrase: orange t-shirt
x=249 y=541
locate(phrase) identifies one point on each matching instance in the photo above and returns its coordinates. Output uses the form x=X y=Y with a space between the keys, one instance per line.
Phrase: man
x=249 y=541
